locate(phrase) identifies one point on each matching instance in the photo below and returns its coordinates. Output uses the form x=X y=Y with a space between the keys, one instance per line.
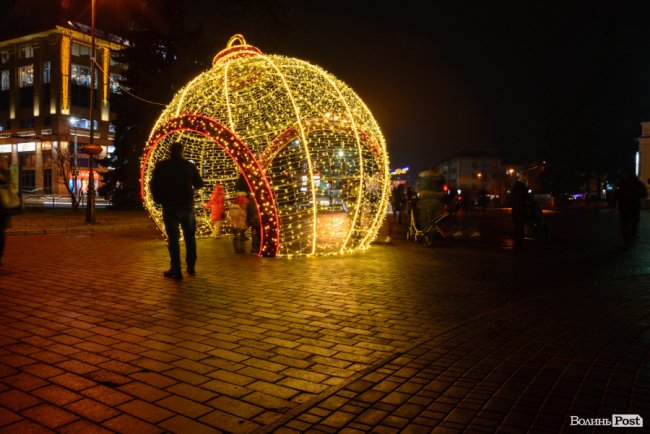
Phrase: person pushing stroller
x=527 y=214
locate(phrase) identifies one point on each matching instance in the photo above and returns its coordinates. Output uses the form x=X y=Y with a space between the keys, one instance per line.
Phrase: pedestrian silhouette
x=519 y=198
x=172 y=186
x=398 y=199
x=628 y=198
x=5 y=182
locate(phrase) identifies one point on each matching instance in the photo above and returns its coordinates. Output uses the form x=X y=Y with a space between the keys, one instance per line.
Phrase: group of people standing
x=403 y=200
x=628 y=197
x=172 y=186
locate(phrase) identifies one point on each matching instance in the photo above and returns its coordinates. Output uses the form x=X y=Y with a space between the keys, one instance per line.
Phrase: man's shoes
x=191 y=271
x=177 y=275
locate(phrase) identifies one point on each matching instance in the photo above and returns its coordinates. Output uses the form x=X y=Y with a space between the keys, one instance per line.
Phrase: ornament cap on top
x=235 y=49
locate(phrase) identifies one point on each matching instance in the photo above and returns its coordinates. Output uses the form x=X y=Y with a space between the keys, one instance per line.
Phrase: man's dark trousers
x=187 y=221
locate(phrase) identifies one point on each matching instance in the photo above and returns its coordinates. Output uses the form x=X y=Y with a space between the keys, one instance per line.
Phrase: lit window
x=4 y=80
x=26 y=51
x=116 y=79
x=81 y=75
x=26 y=76
x=82 y=123
x=46 y=72
x=80 y=50
x=4 y=56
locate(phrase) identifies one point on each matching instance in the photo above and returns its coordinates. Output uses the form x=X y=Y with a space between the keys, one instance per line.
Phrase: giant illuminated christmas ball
x=310 y=151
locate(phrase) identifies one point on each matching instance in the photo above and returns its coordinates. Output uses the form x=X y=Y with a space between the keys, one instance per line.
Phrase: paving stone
x=183 y=406
x=236 y=407
x=191 y=392
x=145 y=411
x=82 y=427
x=126 y=424
x=24 y=381
x=268 y=402
x=25 y=426
x=183 y=425
x=234 y=390
x=228 y=422
x=49 y=415
x=56 y=395
x=91 y=409
x=273 y=389
x=17 y=360
x=8 y=417
x=186 y=376
x=304 y=385
x=153 y=379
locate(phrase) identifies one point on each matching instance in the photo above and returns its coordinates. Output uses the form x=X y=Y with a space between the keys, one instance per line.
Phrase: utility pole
x=91 y=149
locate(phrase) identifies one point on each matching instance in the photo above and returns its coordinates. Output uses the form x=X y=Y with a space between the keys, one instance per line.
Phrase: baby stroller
x=428 y=231
x=414 y=233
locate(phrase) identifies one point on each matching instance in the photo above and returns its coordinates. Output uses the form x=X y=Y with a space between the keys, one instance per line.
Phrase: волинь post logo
x=616 y=421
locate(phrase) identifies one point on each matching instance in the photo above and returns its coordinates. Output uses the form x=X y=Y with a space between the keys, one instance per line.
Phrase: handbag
x=10 y=202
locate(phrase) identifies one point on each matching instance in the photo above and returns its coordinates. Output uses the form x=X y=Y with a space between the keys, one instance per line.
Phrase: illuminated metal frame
x=190 y=116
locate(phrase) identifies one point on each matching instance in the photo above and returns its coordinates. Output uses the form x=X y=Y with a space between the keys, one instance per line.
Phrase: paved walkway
x=468 y=337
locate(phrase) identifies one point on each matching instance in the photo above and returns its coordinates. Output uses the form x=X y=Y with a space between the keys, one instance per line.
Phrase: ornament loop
x=236 y=38
x=235 y=49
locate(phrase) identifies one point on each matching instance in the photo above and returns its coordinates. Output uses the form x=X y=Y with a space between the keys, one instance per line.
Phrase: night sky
x=566 y=81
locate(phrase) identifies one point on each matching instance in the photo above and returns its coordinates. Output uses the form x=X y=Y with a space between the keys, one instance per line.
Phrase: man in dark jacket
x=520 y=199
x=172 y=186
x=628 y=201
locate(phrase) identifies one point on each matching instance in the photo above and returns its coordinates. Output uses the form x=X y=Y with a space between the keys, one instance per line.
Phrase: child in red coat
x=216 y=207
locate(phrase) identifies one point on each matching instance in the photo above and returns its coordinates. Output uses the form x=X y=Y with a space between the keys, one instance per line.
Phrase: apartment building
x=475 y=173
x=45 y=102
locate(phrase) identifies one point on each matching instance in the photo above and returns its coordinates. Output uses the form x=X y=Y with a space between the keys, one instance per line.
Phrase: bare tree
x=61 y=156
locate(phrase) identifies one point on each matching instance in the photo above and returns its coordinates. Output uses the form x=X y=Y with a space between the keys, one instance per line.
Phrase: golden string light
x=65 y=74
x=309 y=149
x=105 y=75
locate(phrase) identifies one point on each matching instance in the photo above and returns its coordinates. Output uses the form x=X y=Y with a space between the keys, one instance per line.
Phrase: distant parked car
x=38 y=198
x=34 y=197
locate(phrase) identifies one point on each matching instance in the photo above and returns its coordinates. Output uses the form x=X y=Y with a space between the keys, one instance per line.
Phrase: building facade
x=475 y=175
x=45 y=103
x=483 y=176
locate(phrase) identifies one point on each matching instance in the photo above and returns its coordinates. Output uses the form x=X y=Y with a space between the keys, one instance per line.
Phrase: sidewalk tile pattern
x=400 y=339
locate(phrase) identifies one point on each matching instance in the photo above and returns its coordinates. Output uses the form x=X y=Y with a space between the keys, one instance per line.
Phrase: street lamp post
x=91 y=148
x=76 y=165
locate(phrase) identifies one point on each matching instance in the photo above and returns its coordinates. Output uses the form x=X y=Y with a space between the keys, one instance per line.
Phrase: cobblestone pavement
x=468 y=337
